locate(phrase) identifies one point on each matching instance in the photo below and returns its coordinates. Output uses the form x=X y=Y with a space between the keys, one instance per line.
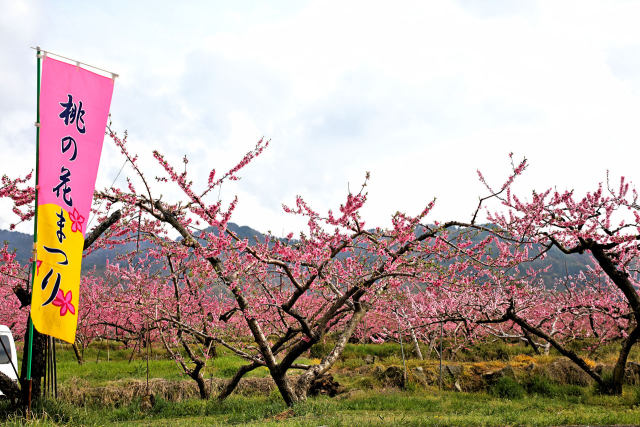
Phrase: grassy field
x=359 y=408
x=367 y=400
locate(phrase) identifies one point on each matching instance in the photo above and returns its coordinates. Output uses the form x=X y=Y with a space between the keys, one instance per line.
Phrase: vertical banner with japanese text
x=74 y=108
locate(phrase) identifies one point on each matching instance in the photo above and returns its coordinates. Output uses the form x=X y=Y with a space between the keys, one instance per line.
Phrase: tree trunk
x=288 y=394
x=202 y=387
x=621 y=279
x=76 y=350
x=416 y=344
x=532 y=343
x=236 y=380
x=564 y=351
x=304 y=380
x=621 y=363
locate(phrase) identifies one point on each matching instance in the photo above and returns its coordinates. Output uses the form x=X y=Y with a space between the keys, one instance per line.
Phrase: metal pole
x=50 y=366
x=55 y=368
x=49 y=369
x=45 y=386
x=29 y=346
x=52 y=343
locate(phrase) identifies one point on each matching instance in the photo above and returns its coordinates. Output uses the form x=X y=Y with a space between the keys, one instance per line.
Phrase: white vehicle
x=8 y=357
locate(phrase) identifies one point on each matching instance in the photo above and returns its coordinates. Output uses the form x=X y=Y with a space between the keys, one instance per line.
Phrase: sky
x=420 y=94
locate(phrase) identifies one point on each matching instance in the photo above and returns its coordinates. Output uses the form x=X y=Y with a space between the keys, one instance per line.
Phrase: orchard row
x=270 y=300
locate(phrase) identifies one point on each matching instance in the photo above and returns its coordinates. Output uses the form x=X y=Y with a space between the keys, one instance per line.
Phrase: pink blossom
x=64 y=302
x=76 y=221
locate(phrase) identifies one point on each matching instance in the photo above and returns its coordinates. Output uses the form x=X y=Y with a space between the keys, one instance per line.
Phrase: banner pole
x=35 y=231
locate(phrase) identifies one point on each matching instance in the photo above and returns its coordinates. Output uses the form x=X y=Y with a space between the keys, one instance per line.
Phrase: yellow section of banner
x=54 y=305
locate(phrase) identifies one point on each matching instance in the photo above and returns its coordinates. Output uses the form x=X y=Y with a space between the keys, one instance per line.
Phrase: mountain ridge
x=561 y=264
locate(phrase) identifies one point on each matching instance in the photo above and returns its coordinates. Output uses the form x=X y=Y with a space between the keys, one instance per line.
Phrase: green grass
x=97 y=371
x=533 y=400
x=97 y=374
x=358 y=351
x=362 y=408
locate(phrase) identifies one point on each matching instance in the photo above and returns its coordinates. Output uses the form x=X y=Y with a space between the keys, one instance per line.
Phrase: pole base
x=26 y=396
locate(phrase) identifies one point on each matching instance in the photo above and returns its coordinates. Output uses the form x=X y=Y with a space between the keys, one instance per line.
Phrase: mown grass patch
x=359 y=408
x=96 y=370
x=100 y=373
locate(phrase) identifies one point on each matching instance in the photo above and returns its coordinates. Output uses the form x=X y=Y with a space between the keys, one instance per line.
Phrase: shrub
x=606 y=386
x=523 y=359
x=507 y=388
x=541 y=385
x=565 y=371
x=319 y=350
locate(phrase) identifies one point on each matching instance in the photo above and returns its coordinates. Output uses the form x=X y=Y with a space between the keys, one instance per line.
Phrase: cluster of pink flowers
x=212 y=287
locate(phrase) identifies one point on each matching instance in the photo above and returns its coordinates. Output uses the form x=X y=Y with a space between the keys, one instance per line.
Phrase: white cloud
x=419 y=93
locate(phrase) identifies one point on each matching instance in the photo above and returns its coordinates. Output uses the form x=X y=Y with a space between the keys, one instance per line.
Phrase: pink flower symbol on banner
x=38 y=264
x=64 y=302
x=76 y=221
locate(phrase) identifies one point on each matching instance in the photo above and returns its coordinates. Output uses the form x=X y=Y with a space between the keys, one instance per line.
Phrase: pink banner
x=74 y=107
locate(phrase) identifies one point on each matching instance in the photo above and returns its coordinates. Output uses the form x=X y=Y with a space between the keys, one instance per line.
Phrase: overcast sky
x=421 y=94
